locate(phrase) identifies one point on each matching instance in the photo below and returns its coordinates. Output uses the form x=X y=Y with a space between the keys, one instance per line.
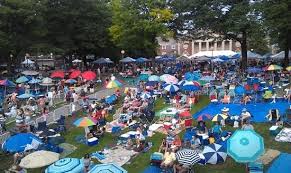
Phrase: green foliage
x=137 y=23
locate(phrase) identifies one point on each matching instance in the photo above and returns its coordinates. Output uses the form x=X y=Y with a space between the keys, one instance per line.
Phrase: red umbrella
x=58 y=74
x=74 y=74
x=185 y=114
x=89 y=75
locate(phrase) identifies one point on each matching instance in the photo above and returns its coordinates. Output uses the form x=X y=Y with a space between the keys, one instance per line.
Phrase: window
x=164 y=47
x=173 y=46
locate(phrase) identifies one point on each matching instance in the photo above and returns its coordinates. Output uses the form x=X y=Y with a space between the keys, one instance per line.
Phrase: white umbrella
x=30 y=73
x=27 y=62
x=77 y=61
x=39 y=159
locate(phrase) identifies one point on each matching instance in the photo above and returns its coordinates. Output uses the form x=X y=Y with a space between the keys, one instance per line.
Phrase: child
x=211 y=139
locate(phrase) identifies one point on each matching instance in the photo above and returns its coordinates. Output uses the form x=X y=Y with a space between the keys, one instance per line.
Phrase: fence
x=65 y=110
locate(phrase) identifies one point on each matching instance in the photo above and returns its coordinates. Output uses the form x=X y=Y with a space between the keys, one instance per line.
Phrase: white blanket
x=284 y=135
x=118 y=155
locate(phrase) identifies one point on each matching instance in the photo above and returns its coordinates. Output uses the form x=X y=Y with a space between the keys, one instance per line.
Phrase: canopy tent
x=165 y=58
x=127 y=60
x=183 y=58
x=27 y=62
x=213 y=53
x=253 y=55
x=30 y=73
x=76 y=61
x=102 y=61
x=280 y=55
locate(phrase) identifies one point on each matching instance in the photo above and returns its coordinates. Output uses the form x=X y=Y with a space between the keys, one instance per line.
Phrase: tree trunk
x=287 y=49
x=244 y=51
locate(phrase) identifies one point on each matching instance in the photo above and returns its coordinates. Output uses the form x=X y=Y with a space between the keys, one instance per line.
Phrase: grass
x=140 y=162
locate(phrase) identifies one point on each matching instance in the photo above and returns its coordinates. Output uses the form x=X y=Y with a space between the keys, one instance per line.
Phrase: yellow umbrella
x=39 y=159
x=288 y=68
x=219 y=117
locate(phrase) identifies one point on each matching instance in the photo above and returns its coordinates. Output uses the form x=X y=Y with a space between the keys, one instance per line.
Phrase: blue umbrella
x=224 y=57
x=25 y=96
x=66 y=165
x=182 y=82
x=245 y=146
x=171 y=88
x=143 y=77
x=191 y=86
x=207 y=78
x=20 y=142
x=107 y=168
x=214 y=154
x=127 y=60
x=254 y=70
x=71 y=81
x=34 y=81
x=239 y=90
x=141 y=60
x=102 y=61
x=154 y=78
x=151 y=83
x=236 y=56
x=22 y=79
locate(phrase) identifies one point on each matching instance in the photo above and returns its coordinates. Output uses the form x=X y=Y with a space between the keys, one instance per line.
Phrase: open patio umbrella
x=171 y=88
x=74 y=74
x=89 y=75
x=185 y=114
x=187 y=157
x=22 y=79
x=30 y=73
x=34 y=81
x=254 y=70
x=66 y=165
x=245 y=146
x=85 y=122
x=25 y=96
x=207 y=78
x=58 y=74
x=170 y=79
x=154 y=78
x=191 y=86
x=219 y=117
x=7 y=83
x=143 y=77
x=145 y=95
x=273 y=67
x=70 y=81
x=182 y=82
x=142 y=60
x=288 y=68
x=107 y=168
x=214 y=154
x=114 y=84
x=39 y=159
x=21 y=142
x=203 y=117
x=127 y=60
x=239 y=90
x=164 y=76
x=77 y=61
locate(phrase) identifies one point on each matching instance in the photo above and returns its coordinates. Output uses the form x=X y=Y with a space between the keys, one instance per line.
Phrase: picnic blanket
x=67 y=149
x=117 y=155
x=284 y=135
x=269 y=156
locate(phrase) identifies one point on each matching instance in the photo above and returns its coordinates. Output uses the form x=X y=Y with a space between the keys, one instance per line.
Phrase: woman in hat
x=245 y=116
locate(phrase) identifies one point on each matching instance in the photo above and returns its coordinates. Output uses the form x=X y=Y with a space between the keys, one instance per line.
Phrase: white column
x=215 y=46
x=200 y=46
x=192 y=43
x=230 y=44
x=222 y=45
x=179 y=46
x=207 y=45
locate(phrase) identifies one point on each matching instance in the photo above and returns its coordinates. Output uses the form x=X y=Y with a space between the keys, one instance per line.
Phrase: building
x=189 y=47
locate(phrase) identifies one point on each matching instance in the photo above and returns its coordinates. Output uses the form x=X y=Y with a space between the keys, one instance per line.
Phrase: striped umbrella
x=22 y=79
x=171 y=88
x=182 y=82
x=214 y=154
x=145 y=95
x=191 y=86
x=85 y=122
x=273 y=67
x=187 y=157
x=171 y=79
x=70 y=81
x=219 y=117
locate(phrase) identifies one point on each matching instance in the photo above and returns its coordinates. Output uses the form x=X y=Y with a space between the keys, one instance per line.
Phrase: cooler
x=92 y=141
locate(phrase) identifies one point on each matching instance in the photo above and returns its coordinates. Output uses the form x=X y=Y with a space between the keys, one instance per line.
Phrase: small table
x=92 y=141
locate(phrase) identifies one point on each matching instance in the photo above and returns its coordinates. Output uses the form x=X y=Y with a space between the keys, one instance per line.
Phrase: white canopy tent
x=213 y=53
x=280 y=55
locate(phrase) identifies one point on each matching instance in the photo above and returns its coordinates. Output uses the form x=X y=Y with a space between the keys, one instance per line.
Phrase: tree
x=225 y=19
x=137 y=23
x=277 y=15
x=78 y=26
x=21 y=26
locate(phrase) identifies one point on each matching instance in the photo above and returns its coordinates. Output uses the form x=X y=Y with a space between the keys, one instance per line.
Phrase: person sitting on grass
x=169 y=158
x=195 y=142
x=177 y=143
x=216 y=129
x=163 y=145
x=179 y=168
x=129 y=144
x=201 y=127
x=86 y=161
x=273 y=115
x=246 y=99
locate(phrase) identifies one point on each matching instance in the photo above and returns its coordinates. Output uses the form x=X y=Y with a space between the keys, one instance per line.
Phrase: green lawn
x=140 y=162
